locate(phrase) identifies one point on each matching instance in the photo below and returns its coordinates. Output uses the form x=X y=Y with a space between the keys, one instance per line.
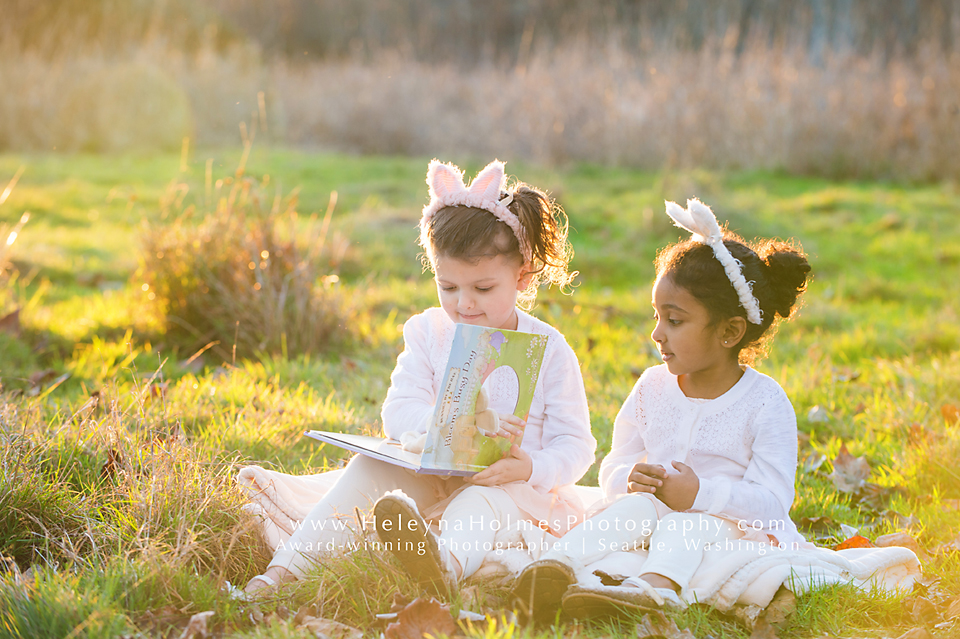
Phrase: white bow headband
x=447 y=189
x=700 y=220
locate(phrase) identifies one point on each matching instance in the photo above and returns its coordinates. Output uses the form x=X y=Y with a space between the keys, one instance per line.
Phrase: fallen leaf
x=857 y=541
x=875 y=497
x=819 y=524
x=948 y=505
x=656 y=624
x=917 y=434
x=783 y=604
x=849 y=473
x=916 y=633
x=949 y=547
x=329 y=629
x=763 y=630
x=923 y=611
x=904 y=522
x=306 y=610
x=197 y=627
x=400 y=601
x=903 y=540
x=271 y=619
x=10 y=323
x=421 y=617
x=953 y=608
x=925 y=585
x=41 y=377
x=951 y=414
x=164 y=617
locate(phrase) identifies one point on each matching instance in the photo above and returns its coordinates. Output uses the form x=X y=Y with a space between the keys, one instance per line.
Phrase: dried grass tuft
x=246 y=278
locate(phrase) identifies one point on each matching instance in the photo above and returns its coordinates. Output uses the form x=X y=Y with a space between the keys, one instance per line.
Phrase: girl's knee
x=634 y=505
x=485 y=498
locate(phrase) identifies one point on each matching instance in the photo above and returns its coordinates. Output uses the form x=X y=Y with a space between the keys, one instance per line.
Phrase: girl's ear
x=732 y=331
x=526 y=276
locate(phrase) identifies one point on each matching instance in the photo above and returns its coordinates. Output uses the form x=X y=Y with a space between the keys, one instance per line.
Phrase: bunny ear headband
x=700 y=220
x=447 y=189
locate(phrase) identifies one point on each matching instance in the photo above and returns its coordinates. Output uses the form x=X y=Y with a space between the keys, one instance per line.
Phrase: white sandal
x=663 y=597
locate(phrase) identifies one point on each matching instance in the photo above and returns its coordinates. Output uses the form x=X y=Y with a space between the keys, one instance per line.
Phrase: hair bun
x=788 y=274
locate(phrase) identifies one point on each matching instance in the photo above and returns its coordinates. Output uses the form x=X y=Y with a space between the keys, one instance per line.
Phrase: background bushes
x=248 y=275
x=822 y=87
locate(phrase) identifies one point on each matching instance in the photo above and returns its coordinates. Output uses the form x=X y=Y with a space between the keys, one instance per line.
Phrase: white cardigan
x=557 y=436
x=742 y=445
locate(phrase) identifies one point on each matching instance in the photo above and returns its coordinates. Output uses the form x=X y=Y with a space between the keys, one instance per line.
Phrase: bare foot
x=275 y=575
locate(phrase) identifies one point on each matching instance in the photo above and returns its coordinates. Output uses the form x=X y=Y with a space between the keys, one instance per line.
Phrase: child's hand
x=492 y=424
x=679 y=491
x=511 y=427
x=645 y=478
x=517 y=466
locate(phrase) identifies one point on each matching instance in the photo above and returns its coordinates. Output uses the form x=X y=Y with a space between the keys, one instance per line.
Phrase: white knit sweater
x=742 y=446
x=557 y=436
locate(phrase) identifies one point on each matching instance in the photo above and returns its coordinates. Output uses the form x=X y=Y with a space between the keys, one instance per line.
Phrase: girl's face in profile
x=483 y=293
x=688 y=341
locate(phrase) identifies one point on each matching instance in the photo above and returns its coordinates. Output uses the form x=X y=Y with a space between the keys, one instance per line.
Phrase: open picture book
x=490 y=372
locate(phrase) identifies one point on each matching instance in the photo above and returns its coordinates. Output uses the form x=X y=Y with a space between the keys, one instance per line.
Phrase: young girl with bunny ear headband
x=489 y=247
x=705 y=447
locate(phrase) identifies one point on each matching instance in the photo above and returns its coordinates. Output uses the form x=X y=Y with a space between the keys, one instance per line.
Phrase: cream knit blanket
x=746 y=573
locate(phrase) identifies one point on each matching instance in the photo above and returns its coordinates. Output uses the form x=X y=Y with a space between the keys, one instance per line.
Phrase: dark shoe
x=605 y=601
x=540 y=587
x=403 y=532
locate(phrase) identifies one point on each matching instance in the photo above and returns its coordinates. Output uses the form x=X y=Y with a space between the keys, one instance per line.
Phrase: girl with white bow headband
x=705 y=447
x=489 y=247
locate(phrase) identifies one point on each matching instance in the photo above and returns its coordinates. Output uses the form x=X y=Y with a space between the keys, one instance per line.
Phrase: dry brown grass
x=853 y=116
x=768 y=108
x=246 y=277
x=118 y=477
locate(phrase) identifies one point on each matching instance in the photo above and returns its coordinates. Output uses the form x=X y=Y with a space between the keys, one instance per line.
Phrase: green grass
x=877 y=345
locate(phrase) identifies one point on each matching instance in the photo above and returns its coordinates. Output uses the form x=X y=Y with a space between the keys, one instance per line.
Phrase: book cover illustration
x=489 y=371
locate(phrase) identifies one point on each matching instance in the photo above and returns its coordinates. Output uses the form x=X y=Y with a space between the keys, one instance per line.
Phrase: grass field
x=119 y=452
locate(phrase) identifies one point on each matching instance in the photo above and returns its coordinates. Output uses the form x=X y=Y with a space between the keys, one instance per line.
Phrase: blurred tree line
x=487 y=31
x=496 y=30
x=55 y=28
